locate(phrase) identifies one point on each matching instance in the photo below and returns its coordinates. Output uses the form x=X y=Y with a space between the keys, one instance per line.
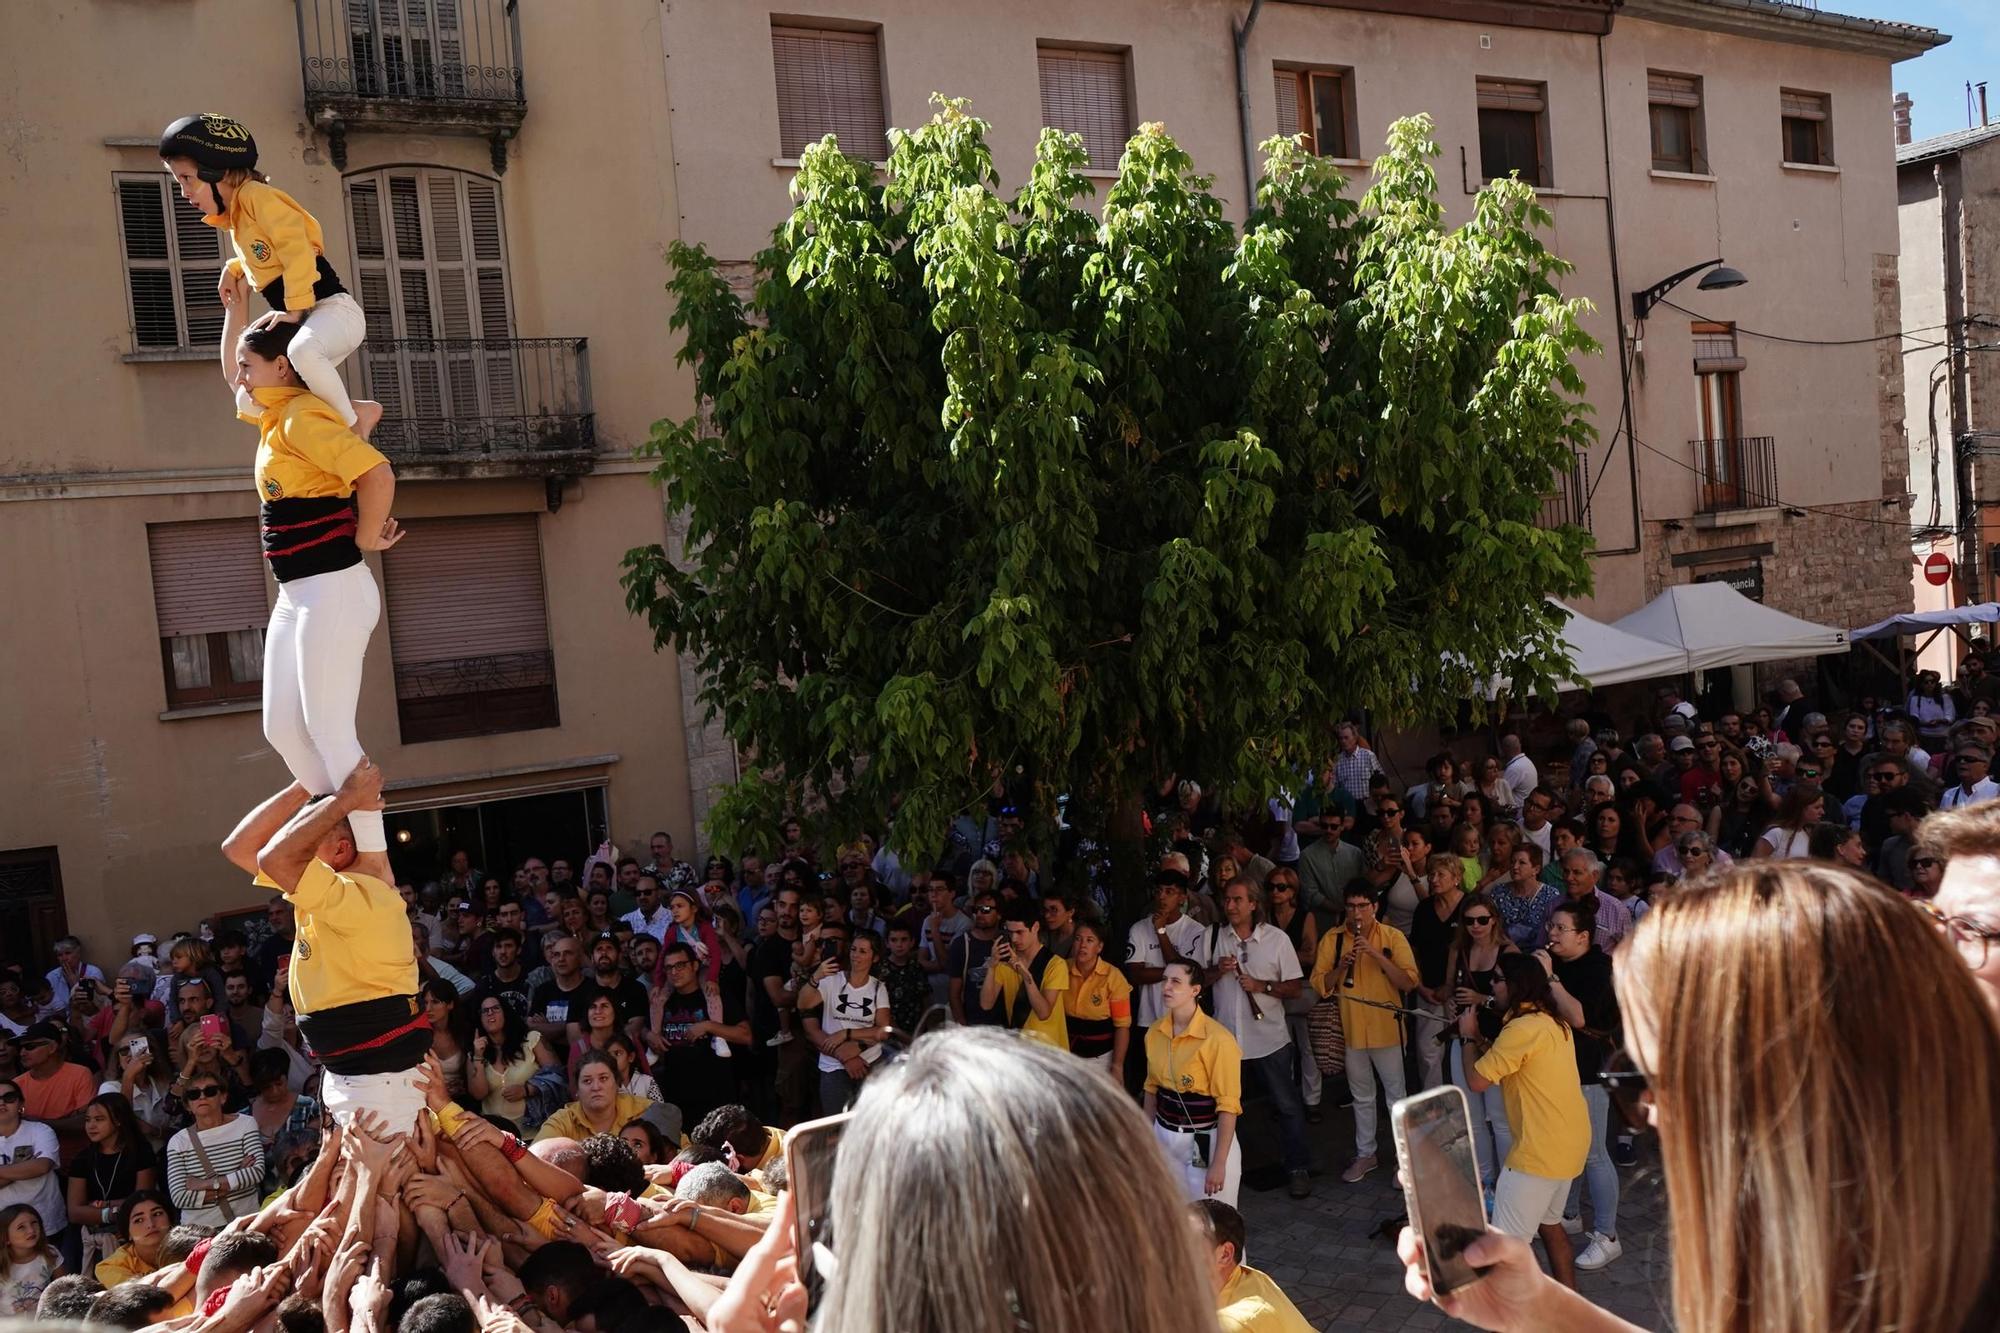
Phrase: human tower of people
x=577 y=1130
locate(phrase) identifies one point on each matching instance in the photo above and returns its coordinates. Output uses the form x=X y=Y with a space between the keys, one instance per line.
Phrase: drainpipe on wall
x=1618 y=310
x=1242 y=35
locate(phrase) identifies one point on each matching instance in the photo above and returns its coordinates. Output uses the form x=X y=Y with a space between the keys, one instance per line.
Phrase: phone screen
x=810 y=1151
x=1441 y=1182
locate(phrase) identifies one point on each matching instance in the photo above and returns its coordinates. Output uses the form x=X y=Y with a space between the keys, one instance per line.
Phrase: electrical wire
x=1817 y=342
x=1776 y=502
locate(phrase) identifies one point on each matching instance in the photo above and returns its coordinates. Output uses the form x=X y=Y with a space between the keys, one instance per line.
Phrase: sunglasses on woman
x=1479 y=921
x=197 y=1094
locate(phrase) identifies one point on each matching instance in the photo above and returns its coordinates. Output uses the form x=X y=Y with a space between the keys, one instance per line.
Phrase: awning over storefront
x=1981 y=613
x=1716 y=626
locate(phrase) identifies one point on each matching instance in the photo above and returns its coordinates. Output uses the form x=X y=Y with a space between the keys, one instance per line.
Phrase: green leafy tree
x=990 y=488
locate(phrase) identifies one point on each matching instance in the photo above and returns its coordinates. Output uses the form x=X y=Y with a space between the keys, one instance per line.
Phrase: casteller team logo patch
x=272 y=489
x=262 y=251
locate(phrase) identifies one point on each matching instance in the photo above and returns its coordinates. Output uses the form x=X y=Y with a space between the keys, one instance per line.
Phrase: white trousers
x=313 y=652
x=395 y=1097
x=1366 y=1064
x=1180 y=1150
x=327 y=336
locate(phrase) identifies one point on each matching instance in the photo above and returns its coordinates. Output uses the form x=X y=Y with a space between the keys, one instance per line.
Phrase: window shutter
x=149 y=273
x=830 y=82
x=198 y=249
x=466 y=588
x=1672 y=90
x=208 y=577
x=1287 y=82
x=1084 y=93
x=1804 y=106
x=1507 y=95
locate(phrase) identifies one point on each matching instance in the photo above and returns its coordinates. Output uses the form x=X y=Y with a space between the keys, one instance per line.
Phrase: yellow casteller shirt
x=569 y=1123
x=1535 y=1065
x=352 y=941
x=1365 y=1026
x=274 y=237
x=1251 y=1303
x=1204 y=1060
x=1055 y=980
x=122 y=1265
x=304 y=450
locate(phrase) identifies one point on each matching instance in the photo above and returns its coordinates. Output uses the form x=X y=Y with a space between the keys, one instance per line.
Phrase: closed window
x=1089 y=93
x=1674 y=107
x=173 y=261
x=430 y=265
x=1513 y=130
x=208 y=591
x=830 y=82
x=469 y=628
x=1317 y=103
x=1807 y=127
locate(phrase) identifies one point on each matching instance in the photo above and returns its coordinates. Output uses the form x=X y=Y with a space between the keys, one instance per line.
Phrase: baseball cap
x=43 y=1031
x=463 y=905
x=603 y=937
x=1680 y=743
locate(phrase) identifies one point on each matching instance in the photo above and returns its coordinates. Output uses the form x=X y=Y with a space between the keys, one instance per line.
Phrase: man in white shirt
x=650 y=917
x=1164 y=937
x=1516 y=769
x=1973 y=784
x=1536 y=807
x=1253 y=969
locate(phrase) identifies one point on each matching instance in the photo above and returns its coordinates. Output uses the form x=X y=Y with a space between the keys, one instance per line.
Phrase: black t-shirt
x=552 y=1004
x=771 y=958
x=968 y=960
x=690 y=1074
x=1430 y=940
x=111 y=1176
x=627 y=995
x=1588 y=979
x=516 y=992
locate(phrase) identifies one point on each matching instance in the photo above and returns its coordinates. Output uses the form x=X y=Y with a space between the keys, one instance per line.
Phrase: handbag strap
x=208 y=1169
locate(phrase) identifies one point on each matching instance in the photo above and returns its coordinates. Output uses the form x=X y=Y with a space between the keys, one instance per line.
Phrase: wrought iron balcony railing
x=1735 y=472
x=518 y=404
x=1569 y=502
x=450 y=66
x=476 y=696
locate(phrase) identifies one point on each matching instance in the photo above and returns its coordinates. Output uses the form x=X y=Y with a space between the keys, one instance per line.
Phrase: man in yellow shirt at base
x=1246 y=1301
x=1027 y=979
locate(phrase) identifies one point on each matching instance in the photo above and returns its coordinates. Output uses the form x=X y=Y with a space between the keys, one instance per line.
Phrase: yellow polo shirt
x=570 y=1123
x=1365 y=1026
x=352 y=941
x=1534 y=1063
x=1205 y=1059
x=1251 y=1303
x=1055 y=980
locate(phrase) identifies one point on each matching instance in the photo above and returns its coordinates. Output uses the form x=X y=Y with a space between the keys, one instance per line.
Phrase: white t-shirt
x=1189 y=936
x=1783 y=847
x=844 y=1005
x=1267 y=955
x=35 y=1139
x=1521 y=778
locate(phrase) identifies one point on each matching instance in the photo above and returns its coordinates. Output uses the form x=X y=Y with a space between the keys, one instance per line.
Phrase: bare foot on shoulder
x=366 y=414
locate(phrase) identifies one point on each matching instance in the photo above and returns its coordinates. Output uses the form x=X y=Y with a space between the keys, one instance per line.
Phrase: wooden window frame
x=1685 y=103
x=871 y=35
x=178 y=268
x=237 y=596
x=1521 y=92
x=223 y=686
x=1719 y=386
x=1301 y=80
x=1800 y=110
x=1122 y=59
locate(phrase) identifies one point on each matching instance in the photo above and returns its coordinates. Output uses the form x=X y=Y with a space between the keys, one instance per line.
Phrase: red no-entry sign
x=1937 y=569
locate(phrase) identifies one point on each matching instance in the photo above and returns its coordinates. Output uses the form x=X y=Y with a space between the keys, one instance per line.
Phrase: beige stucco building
x=1664 y=133
x=1949 y=196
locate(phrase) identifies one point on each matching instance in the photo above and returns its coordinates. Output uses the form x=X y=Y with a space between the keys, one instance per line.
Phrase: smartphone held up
x=1441 y=1182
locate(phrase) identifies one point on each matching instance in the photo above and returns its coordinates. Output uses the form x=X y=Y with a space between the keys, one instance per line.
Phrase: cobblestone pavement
x=1324 y=1253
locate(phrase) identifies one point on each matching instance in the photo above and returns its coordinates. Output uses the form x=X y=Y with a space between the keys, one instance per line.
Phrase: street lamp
x=1719 y=277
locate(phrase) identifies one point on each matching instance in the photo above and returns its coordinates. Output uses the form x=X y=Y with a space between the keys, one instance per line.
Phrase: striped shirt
x=235 y=1151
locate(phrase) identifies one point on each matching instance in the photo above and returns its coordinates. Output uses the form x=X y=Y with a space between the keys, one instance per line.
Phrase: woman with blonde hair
x=1810 y=1051
x=943 y=1192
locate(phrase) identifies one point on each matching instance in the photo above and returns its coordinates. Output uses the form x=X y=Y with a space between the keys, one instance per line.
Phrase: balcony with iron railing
x=476 y=696
x=1568 y=504
x=429 y=66
x=480 y=407
x=1735 y=474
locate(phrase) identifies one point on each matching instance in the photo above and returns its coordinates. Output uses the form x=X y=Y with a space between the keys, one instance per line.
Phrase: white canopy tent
x=1980 y=613
x=1717 y=626
x=1602 y=654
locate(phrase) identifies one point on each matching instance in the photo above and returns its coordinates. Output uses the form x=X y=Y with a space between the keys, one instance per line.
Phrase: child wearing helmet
x=280 y=250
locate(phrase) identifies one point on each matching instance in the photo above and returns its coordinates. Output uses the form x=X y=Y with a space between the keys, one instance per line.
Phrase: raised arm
x=234 y=289
x=284 y=859
x=258 y=827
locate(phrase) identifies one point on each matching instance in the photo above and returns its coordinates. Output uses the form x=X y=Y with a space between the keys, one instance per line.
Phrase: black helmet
x=216 y=143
